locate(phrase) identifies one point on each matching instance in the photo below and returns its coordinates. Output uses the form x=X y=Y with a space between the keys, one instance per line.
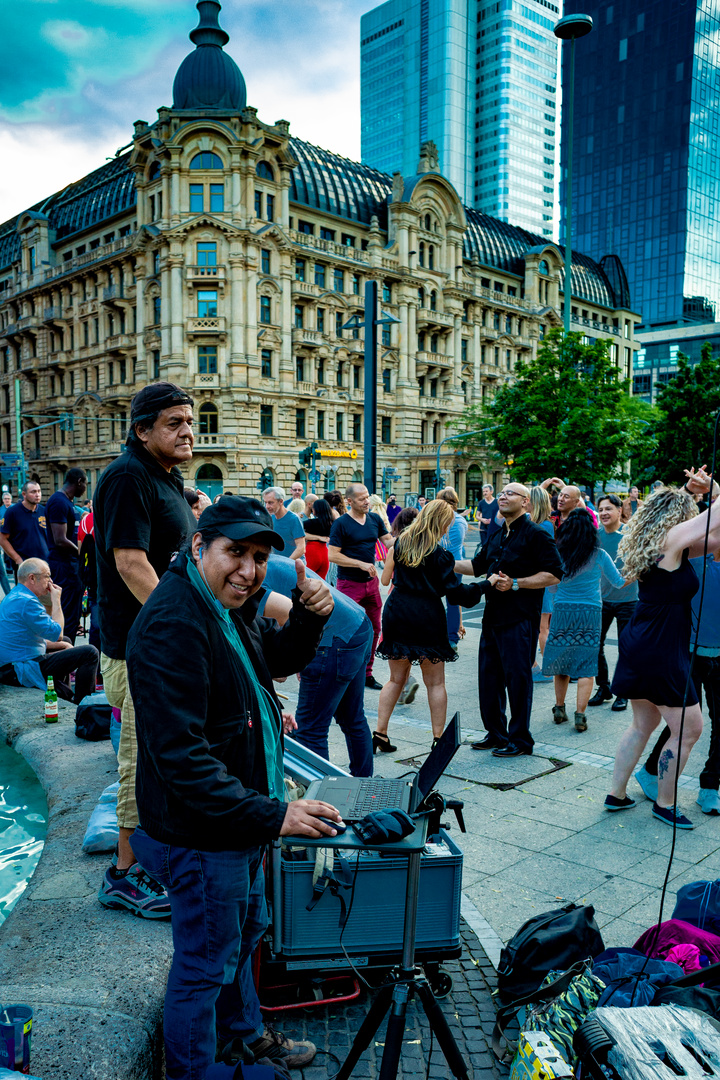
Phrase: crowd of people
x=199 y=610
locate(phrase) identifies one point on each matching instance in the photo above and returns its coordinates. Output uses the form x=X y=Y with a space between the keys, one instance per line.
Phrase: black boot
x=601 y=695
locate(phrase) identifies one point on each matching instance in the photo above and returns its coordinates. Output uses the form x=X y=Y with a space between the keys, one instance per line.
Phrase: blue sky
x=76 y=74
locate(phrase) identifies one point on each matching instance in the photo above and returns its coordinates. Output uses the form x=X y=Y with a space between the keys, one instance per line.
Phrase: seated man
x=31 y=645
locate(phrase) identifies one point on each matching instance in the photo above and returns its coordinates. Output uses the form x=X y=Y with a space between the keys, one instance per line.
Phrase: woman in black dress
x=654 y=649
x=414 y=625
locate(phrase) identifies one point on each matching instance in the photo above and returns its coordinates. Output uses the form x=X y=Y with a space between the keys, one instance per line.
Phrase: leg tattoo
x=664 y=762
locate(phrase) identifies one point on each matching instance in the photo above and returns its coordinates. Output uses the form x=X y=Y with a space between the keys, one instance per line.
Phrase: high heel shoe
x=382 y=743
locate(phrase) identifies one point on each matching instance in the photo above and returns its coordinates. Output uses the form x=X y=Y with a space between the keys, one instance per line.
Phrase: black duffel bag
x=553 y=941
x=92 y=721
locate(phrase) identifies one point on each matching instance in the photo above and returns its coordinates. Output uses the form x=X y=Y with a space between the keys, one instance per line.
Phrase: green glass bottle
x=51 y=702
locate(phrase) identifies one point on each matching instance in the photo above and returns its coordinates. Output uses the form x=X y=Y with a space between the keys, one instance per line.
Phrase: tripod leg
x=444 y=1035
x=367 y=1029
x=395 y=1032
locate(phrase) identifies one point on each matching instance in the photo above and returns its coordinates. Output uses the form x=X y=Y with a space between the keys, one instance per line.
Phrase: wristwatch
x=515 y=585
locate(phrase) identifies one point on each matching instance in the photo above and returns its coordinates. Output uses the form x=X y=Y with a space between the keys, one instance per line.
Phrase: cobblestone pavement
x=469 y=1010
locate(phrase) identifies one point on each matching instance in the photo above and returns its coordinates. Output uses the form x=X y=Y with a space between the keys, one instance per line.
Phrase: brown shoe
x=559 y=714
x=580 y=721
x=295 y=1053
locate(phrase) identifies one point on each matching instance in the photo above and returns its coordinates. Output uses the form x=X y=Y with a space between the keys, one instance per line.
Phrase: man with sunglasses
x=526 y=561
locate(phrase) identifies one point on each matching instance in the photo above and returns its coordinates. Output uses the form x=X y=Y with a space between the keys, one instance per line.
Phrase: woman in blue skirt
x=573 y=644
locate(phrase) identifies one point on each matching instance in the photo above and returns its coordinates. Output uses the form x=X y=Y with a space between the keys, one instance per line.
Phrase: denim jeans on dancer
x=333 y=684
x=218 y=916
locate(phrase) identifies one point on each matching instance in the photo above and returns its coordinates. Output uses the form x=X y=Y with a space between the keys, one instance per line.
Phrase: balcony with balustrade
x=206 y=324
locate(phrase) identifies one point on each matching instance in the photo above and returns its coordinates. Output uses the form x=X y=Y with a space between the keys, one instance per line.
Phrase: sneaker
x=137 y=892
x=612 y=803
x=648 y=783
x=409 y=691
x=295 y=1053
x=709 y=801
x=671 y=816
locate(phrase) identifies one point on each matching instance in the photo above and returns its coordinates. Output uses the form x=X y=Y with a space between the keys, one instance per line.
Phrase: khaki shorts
x=115 y=682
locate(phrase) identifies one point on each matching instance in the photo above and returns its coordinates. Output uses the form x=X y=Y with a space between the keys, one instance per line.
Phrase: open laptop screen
x=439 y=758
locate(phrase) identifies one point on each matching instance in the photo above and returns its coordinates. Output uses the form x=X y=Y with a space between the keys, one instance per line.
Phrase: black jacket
x=201 y=779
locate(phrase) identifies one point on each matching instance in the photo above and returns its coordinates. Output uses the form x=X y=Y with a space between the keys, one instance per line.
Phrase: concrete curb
x=95 y=978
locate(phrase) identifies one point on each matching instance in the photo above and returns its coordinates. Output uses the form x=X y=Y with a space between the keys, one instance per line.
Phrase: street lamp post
x=569 y=29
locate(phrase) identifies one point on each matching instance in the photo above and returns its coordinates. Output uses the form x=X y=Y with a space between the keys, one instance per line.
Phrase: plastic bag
x=102 y=831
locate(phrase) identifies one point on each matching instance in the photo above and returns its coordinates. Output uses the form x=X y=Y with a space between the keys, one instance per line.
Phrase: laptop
x=356 y=796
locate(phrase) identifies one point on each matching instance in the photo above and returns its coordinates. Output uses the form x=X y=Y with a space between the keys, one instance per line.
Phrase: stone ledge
x=95 y=978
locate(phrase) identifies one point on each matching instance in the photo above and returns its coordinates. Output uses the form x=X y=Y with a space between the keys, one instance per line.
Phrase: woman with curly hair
x=414 y=627
x=654 y=649
x=572 y=647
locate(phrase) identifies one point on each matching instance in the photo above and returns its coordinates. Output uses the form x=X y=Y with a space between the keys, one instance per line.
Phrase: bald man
x=569 y=499
x=526 y=561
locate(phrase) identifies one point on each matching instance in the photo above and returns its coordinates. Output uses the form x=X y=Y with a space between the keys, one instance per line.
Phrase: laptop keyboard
x=379 y=795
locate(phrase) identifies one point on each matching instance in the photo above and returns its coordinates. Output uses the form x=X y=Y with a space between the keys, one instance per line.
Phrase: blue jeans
x=333 y=684
x=218 y=915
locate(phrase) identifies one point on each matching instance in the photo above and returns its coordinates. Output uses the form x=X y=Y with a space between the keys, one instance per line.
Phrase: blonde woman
x=540 y=511
x=414 y=626
x=297 y=506
x=654 y=648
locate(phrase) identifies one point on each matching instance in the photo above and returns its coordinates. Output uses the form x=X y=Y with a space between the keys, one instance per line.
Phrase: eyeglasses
x=508 y=492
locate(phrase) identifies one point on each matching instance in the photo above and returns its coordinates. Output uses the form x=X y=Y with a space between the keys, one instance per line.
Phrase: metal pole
x=568 y=194
x=371 y=358
x=18 y=433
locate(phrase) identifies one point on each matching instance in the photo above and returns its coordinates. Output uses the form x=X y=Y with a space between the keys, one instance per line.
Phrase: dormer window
x=206 y=160
x=543 y=267
x=264 y=171
x=154 y=172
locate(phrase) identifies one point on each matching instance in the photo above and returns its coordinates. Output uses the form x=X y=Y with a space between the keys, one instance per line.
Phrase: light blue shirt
x=584 y=587
x=709 y=636
x=347 y=616
x=24 y=628
x=454 y=540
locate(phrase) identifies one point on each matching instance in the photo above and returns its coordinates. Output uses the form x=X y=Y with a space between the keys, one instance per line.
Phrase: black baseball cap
x=240 y=519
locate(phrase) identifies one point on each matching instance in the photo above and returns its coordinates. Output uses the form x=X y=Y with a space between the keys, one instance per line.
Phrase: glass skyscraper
x=479 y=78
x=646 y=166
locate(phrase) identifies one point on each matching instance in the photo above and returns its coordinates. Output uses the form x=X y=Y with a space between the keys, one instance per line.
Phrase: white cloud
x=40 y=161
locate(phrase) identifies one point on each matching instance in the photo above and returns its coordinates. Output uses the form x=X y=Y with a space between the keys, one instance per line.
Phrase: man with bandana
x=141 y=519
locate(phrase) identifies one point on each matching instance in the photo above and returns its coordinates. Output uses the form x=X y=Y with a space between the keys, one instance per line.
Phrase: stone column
x=456 y=339
x=412 y=342
x=173 y=211
x=251 y=313
x=140 y=321
x=237 y=360
x=176 y=311
x=237 y=208
x=286 y=358
x=404 y=346
x=477 y=362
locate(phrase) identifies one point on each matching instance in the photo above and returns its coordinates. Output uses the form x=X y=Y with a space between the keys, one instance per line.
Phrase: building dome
x=208 y=78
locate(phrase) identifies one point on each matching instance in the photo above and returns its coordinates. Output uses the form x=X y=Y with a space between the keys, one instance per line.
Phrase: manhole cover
x=502 y=774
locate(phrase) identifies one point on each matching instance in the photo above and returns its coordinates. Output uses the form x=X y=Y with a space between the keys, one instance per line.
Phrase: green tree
x=683 y=433
x=565 y=414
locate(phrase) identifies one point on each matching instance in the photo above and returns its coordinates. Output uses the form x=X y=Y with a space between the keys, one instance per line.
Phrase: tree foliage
x=566 y=414
x=686 y=408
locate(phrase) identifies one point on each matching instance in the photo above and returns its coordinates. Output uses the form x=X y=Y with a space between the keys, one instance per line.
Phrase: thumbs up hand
x=315 y=594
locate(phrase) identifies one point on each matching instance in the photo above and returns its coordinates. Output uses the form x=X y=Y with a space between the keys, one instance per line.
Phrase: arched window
x=421 y=254
x=264 y=171
x=433 y=301
x=208 y=418
x=543 y=267
x=431 y=257
x=427 y=222
x=154 y=171
x=206 y=160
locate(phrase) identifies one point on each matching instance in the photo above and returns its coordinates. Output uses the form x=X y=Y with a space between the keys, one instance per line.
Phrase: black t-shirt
x=523 y=550
x=25 y=529
x=60 y=510
x=139 y=505
x=357 y=542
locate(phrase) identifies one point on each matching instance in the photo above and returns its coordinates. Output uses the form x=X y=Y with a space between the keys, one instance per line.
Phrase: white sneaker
x=709 y=801
x=409 y=691
x=648 y=783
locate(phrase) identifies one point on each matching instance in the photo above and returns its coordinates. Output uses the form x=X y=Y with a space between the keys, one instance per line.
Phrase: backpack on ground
x=92 y=718
x=553 y=941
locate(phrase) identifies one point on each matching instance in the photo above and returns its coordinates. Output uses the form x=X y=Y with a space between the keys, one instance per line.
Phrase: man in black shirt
x=352 y=547
x=64 y=557
x=141 y=519
x=526 y=561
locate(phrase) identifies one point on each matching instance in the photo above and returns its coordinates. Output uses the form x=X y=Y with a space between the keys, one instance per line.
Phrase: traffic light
x=306 y=456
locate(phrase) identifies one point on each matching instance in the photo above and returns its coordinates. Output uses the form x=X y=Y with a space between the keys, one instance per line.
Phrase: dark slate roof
x=100 y=195
x=334 y=184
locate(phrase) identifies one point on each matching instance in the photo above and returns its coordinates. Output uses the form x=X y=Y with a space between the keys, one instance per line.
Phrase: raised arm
x=691 y=534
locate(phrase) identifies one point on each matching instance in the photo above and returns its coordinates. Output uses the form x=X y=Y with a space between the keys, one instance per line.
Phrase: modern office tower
x=646 y=170
x=480 y=80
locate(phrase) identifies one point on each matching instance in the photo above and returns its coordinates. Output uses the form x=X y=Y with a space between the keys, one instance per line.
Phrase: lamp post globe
x=570 y=28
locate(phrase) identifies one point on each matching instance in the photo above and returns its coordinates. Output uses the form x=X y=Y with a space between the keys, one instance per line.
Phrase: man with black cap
x=210 y=777
x=141 y=520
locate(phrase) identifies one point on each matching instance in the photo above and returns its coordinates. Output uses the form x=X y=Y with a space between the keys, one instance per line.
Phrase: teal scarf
x=270 y=718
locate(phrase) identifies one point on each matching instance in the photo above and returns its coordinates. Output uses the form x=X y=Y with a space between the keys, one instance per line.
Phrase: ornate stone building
x=223 y=254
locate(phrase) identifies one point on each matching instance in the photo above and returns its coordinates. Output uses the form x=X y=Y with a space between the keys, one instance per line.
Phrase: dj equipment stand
x=408 y=981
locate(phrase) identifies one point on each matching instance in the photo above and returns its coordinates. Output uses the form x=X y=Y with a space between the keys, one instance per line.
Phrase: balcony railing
x=306 y=389
x=206 y=324
x=436 y=318
x=119 y=342
x=434 y=359
x=88 y=257
x=51 y=314
x=211 y=442
x=204 y=274
x=305 y=288
x=307 y=337
x=113 y=292
x=207 y=381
